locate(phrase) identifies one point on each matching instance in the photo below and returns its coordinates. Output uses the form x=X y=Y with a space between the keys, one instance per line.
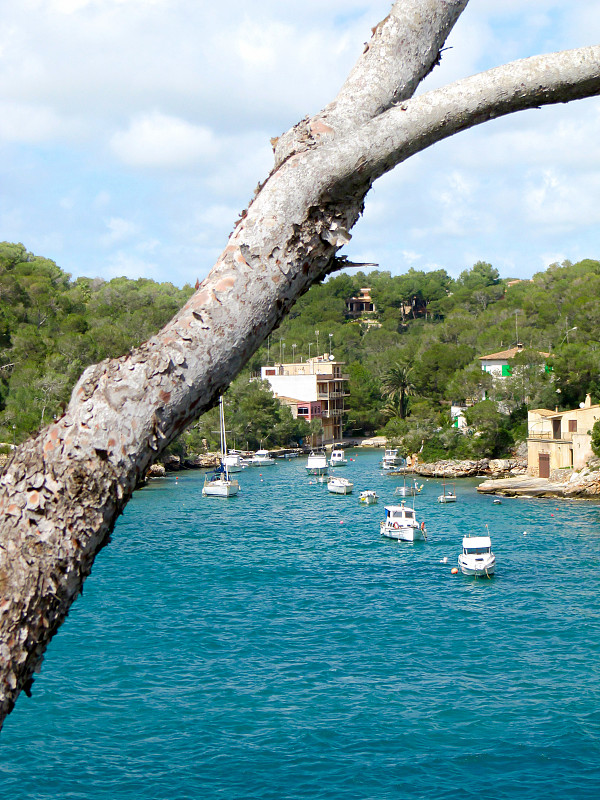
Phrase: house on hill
x=363 y=304
x=313 y=389
x=497 y=364
x=560 y=439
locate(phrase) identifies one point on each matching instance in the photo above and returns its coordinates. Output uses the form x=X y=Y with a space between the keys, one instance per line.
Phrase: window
x=506 y=371
x=303 y=411
x=572 y=426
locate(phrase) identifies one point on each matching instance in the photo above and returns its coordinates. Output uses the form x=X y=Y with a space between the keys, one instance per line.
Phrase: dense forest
x=408 y=361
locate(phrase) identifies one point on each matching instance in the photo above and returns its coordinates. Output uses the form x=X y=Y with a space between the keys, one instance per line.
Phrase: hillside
x=408 y=360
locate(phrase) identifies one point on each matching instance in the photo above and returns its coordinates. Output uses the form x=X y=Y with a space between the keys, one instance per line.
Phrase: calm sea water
x=273 y=645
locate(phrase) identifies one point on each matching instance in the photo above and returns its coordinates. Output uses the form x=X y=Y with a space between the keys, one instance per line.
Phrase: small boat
x=411 y=490
x=401 y=523
x=477 y=558
x=262 y=458
x=233 y=461
x=496 y=502
x=316 y=463
x=391 y=460
x=218 y=483
x=448 y=496
x=339 y=485
x=368 y=497
x=337 y=458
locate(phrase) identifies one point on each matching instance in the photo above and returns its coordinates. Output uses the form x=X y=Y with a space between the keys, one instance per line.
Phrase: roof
x=477 y=541
x=506 y=354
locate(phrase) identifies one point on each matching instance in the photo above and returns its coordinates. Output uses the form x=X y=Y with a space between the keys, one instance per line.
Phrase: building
x=313 y=389
x=497 y=364
x=560 y=439
x=363 y=304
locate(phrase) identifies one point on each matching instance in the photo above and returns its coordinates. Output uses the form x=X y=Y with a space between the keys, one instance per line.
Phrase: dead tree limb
x=63 y=490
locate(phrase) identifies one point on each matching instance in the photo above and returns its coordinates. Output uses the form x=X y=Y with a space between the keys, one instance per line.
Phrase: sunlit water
x=273 y=645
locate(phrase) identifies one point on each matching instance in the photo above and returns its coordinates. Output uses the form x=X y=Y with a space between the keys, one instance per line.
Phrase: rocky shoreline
x=483 y=467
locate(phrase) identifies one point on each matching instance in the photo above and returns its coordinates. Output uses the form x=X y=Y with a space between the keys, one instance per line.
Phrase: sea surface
x=274 y=645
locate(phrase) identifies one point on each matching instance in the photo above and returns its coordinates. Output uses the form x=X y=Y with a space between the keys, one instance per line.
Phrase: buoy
x=454 y=570
x=341 y=522
x=551 y=515
x=524 y=533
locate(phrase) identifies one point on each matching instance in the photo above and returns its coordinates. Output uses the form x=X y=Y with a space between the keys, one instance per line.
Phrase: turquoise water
x=273 y=645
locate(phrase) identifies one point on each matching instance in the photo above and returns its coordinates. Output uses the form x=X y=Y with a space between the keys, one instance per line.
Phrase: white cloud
x=119 y=230
x=157 y=140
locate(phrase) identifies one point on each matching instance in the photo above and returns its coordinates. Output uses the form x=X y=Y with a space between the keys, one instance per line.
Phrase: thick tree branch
x=63 y=490
x=404 y=48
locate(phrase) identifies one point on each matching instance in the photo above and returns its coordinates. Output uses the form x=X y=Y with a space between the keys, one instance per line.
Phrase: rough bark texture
x=62 y=491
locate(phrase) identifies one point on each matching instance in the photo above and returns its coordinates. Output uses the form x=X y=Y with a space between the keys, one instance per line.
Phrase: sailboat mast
x=223 y=440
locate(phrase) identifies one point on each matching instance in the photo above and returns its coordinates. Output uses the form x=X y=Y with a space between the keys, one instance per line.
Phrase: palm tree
x=397 y=386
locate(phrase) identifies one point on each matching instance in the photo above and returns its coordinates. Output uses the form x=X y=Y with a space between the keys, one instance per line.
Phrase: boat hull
x=403 y=533
x=477 y=569
x=446 y=498
x=340 y=488
x=220 y=489
x=368 y=499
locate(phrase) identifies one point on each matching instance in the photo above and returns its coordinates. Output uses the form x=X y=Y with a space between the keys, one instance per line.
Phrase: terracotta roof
x=506 y=354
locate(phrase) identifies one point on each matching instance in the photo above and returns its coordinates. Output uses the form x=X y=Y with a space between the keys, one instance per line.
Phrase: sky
x=133 y=132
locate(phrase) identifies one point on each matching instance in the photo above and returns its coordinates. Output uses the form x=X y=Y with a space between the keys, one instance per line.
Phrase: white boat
x=477 y=557
x=391 y=460
x=262 y=458
x=401 y=523
x=368 y=497
x=448 y=496
x=316 y=463
x=337 y=458
x=233 y=461
x=339 y=485
x=411 y=490
x=218 y=483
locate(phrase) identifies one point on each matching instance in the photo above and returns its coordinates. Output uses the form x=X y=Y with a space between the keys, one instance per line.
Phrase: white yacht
x=316 y=463
x=218 y=483
x=337 y=458
x=401 y=523
x=477 y=557
x=339 y=485
x=391 y=460
x=262 y=458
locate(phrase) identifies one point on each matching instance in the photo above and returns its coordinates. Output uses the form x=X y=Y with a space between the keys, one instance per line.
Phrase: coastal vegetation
x=408 y=361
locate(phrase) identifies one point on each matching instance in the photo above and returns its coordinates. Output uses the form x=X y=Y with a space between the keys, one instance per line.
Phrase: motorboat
x=448 y=495
x=368 y=497
x=477 y=558
x=339 y=485
x=316 y=463
x=391 y=460
x=337 y=458
x=218 y=483
x=409 y=490
x=233 y=461
x=401 y=523
x=262 y=458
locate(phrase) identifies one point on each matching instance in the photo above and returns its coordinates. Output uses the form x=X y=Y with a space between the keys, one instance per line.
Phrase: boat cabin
x=476 y=545
x=399 y=514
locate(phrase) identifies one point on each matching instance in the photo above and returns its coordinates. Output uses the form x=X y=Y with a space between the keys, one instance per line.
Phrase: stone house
x=560 y=439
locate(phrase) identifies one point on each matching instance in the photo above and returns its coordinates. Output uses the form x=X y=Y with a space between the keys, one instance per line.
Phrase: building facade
x=497 y=364
x=560 y=439
x=313 y=389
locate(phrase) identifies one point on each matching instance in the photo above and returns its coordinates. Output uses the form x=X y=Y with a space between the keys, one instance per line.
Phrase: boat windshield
x=475 y=551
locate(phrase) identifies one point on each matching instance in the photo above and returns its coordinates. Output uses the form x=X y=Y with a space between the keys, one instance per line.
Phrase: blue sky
x=132 y=132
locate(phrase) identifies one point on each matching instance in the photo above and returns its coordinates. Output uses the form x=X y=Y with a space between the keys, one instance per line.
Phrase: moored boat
x=218 y=483
x=408 y=490
x=477 y=558
x=368 y=497
x=391 y=460
x=262 y=458
x=316 y=463
x=337 y=458
x=448 y=495
x=339 y=485
x=401 y=523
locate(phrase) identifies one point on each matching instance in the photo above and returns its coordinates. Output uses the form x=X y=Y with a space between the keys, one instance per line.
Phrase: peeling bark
x=62 y=491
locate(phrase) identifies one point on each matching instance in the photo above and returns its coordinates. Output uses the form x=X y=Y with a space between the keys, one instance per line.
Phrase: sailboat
x=218 y=483
x=448 y=496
